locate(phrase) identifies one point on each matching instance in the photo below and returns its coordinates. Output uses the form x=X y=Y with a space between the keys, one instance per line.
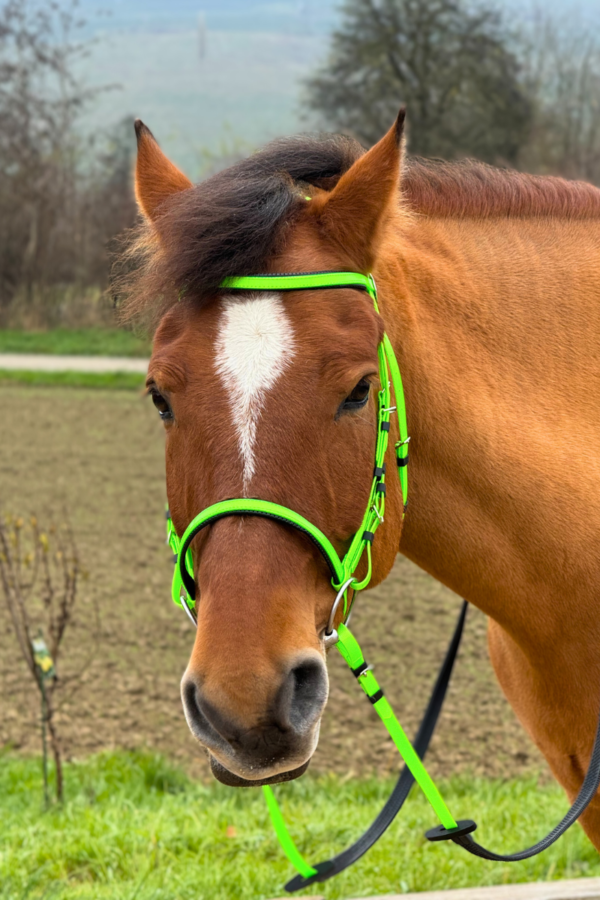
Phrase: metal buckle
x=330 y=637
x=188 y=611
x=378 y=514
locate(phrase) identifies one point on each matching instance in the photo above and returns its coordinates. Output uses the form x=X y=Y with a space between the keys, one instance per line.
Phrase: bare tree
x=450 y=63
x=51 y=237
x=561 y=70
x=39 y=575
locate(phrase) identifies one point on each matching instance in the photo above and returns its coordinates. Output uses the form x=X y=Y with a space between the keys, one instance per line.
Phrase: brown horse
x=489 y=286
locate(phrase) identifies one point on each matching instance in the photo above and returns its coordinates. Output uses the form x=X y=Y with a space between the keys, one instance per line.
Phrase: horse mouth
x=226 y=777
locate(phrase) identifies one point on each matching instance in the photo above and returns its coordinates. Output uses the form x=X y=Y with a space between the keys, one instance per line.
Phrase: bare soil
x=98 y=455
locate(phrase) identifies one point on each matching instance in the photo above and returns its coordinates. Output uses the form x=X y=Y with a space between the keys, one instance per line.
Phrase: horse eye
x=358 y=398
x=164 y=410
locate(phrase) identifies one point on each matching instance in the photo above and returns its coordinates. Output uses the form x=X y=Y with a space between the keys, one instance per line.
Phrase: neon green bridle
x=342 y=570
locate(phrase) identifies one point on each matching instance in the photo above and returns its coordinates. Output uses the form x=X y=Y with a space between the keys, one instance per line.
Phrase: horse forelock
x=231 y=224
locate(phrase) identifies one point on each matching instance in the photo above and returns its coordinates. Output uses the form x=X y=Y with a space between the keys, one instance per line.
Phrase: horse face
x=273 y=396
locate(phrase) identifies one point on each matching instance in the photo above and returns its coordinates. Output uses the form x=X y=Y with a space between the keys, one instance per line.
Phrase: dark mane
x=232 y=223
x=236 y=221
x=473 y=190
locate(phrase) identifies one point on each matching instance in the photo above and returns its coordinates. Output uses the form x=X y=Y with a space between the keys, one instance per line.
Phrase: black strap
x=394 y=804
x=586 y=794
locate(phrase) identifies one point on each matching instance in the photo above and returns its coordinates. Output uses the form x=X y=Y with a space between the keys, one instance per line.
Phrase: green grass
x=136 y=828
x=79 y=342
x=128 y=381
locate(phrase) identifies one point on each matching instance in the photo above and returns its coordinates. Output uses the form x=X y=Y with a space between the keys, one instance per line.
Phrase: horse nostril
x=196 y=714
x=302 y=696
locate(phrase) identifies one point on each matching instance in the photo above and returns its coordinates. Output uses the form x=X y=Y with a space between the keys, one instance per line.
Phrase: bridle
x=342 y=571
x=343 y=580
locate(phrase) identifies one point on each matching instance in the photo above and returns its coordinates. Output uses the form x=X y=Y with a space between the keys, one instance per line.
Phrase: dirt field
x=99 y=455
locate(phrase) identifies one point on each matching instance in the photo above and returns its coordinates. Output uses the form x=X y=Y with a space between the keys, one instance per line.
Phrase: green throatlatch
x=342 y=570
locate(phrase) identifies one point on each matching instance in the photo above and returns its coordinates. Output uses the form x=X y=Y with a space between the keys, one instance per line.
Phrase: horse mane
x=237 y=220
x=469 y=189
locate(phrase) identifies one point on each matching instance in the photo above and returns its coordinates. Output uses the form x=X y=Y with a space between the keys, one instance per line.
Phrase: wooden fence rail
x=574 y=889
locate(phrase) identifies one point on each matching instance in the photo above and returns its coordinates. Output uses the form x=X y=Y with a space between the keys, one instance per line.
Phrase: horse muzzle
x=277 y=743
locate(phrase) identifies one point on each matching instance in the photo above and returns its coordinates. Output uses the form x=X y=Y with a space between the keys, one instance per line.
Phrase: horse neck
x=498 y=347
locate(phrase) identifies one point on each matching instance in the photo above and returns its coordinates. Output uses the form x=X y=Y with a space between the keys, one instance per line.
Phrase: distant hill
x=212 y=77
x=303 y=17
x=229 y=92
x=286 y=16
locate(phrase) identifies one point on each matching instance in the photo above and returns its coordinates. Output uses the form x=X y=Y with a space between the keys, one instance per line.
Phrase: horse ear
x=355 y=210
x=156 y=178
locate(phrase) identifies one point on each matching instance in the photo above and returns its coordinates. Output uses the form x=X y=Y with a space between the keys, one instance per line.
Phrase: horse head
x=266 y=395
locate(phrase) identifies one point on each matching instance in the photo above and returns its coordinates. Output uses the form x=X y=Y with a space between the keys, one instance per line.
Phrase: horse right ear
x=156 y=177
x=354 y=212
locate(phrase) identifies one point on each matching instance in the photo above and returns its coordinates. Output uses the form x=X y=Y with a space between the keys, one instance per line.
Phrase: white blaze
x=255 y=344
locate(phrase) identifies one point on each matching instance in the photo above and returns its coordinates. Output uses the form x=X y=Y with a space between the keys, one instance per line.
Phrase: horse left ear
x=353 y=213
x=156 y=177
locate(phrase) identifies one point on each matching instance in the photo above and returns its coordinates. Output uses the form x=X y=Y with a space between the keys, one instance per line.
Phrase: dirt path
x=99 y=454
x=46 y=362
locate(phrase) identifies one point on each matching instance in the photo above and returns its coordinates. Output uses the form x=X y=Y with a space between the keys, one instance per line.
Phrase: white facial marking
x=255 y=344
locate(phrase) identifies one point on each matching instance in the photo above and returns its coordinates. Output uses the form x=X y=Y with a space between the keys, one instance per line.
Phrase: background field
x=99 y=455
x=73 y=341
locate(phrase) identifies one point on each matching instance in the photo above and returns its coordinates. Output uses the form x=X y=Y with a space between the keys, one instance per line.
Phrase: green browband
x=342 y=570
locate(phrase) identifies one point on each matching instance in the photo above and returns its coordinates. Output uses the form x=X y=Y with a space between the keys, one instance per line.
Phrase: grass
x=128 y=381
x=136 y=828
x=78 y=342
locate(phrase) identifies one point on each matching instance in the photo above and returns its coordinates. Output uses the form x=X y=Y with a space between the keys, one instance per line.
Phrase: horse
x=489 y=289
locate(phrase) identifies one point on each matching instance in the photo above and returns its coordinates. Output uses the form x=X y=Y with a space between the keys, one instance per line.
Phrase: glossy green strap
x=402 y=445
x=287 y=844
x=300 y=282
x=389 y=376
x=250 y=506
x=350 y=650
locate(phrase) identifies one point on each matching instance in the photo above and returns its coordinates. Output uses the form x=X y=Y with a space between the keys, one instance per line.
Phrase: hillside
x=287 y=16
x=216 y=76
x=242 y=93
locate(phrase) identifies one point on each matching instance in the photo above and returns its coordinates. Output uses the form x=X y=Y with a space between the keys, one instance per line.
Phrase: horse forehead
x=255 y=341
x=254 y=345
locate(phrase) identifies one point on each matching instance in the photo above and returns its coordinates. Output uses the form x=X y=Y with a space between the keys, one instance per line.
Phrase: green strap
x=343 y=570
x=402 y=446
x=350 y=650
x=287 y=844
x=266 y=508
x=300 y=282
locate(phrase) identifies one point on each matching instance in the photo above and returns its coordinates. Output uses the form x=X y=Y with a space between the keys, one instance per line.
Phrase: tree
x=39 y=577
x=54 y=216
x=561 y=68
x=451 y=65
x=39 y=103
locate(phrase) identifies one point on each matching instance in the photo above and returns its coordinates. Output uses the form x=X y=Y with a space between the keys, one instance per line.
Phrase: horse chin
x=226 y=777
